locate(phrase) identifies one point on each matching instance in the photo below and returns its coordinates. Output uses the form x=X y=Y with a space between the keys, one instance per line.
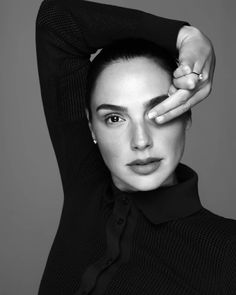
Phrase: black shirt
x=108 y=241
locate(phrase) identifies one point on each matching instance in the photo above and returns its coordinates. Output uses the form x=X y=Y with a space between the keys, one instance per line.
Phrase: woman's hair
x=127 y=49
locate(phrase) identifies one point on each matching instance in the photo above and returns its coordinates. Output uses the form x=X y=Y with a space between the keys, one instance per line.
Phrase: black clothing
x=108 y=241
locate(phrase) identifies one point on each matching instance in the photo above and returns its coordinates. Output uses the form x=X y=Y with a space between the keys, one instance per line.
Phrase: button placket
x=122 y=211
x=109 y=261
x=114 y=229
x=120 y=221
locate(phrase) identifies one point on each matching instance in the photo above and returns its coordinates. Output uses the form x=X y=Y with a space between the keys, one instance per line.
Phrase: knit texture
x=105 y=242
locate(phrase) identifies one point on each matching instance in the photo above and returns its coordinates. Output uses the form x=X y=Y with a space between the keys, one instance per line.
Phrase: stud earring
x=94 y=140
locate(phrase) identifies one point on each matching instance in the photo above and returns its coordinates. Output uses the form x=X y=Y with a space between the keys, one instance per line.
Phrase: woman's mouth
x=145 y=166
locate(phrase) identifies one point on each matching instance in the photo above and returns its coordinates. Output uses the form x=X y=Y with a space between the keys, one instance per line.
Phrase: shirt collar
x=168 y=202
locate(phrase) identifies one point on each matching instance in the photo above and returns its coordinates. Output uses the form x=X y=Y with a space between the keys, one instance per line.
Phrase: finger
x=205 y=63
x=203 y=69
x=178 y=98
x=173 y=113
x=172 y=90
x=187 y=62
x=193 y=101
x=199 y=64
x=208 y=70
x=189 y=81
x=183 y=69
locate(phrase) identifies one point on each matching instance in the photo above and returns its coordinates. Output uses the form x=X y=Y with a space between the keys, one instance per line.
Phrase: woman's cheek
x=110 y=148
x=112 y=141
x=177 y=142
x=174 y=140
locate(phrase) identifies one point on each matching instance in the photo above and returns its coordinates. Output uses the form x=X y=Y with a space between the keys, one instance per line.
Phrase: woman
x=125 y=228
x=125 y=81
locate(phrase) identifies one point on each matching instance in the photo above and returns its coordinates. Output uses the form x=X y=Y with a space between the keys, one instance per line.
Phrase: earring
x=94 y=140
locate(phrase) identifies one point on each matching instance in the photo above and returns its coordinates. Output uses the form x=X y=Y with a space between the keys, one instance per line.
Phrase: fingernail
x=152 y=115
x=160 y=119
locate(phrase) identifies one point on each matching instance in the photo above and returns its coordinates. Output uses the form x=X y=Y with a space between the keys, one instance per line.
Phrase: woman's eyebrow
x=148 y=105
x=112 y=107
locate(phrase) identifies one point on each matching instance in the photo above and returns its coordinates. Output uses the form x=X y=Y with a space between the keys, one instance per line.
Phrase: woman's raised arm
x=67 y=33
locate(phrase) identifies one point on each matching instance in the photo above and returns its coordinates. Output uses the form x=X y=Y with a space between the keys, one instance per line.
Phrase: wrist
x=184 y=33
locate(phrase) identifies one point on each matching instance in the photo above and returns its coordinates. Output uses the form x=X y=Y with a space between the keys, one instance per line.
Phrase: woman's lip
x=145 y=169
x=144 y=161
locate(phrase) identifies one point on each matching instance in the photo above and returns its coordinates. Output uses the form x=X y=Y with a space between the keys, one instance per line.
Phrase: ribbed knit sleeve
x=67 y=33
x=229 y=269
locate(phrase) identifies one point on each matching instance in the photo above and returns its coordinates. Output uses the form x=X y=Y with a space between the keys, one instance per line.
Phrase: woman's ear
x=87 y=114
x=90 y=125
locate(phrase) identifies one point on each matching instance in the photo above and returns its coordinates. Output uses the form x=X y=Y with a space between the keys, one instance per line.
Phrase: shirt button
x=120 y=221
x=109 y=261
x=125 y=200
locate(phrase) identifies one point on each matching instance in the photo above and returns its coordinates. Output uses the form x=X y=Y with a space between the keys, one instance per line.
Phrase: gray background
x=30 y=185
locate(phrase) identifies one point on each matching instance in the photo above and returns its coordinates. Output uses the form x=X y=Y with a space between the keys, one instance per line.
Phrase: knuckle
x=191 y=83
x=183 y=100
x=178 y=84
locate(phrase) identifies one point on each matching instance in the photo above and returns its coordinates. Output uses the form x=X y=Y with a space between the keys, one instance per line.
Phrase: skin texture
x=125 y=136
x=196 y=53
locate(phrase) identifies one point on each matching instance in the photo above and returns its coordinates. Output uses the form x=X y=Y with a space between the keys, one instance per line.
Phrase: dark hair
x=126 y=49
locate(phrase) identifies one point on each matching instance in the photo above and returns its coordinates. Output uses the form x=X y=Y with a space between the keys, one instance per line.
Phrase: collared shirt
x=158 y=206
x=110 y=242
x=169 y=202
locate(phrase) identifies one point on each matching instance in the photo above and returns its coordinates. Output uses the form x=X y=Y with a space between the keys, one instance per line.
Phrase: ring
x=200 y=76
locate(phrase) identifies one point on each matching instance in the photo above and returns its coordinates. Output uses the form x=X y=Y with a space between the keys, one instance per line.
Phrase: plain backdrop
x=30 y=184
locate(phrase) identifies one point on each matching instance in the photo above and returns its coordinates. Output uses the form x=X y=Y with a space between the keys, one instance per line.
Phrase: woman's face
x=124 y=93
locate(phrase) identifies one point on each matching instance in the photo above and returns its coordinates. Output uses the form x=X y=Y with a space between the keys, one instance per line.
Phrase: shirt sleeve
x=67 y=33
x=229 y=269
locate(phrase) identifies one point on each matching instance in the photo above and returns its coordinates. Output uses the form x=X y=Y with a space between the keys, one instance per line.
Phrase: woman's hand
x=196 y=56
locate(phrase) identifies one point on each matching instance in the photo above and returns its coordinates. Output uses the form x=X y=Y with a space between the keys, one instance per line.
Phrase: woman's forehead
x=137 y=79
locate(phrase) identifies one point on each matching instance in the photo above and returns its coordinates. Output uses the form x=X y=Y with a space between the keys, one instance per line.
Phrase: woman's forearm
x=87 y=25
x=103 y=23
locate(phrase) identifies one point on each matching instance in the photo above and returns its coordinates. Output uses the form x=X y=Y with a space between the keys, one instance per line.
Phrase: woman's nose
x=140 y=137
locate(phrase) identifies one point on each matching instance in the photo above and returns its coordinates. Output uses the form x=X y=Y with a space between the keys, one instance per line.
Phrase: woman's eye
x=113 y=119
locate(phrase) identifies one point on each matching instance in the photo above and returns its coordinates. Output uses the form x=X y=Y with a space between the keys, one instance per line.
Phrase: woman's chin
x=134 y=185
x=131 y=182
x=164 y=176
x=146 y=186
x=142 y=184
